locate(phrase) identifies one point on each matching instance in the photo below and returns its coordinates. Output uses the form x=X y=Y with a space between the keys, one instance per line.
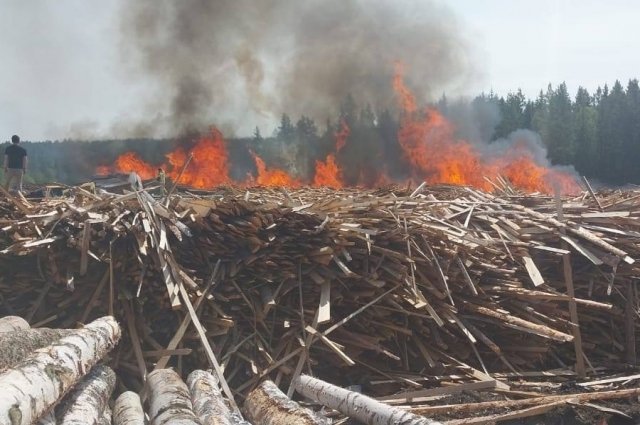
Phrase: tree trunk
x=40 y=381
x=128 y=410
x=355 y=405
x=208 y=403
x=17 y=345
x=11 y=324
x=267 y=405
x=88 y=400
x=169 y=400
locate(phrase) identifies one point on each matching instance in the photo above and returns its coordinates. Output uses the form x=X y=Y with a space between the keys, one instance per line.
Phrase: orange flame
x=328 y=173
x=209 y=166
x=436 y=156
x=272 y=177
x=130 y=162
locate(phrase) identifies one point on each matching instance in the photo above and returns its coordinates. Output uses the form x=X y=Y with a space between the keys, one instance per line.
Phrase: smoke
x=245 y=62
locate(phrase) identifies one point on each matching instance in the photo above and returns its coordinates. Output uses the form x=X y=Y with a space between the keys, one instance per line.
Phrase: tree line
x=598 y=133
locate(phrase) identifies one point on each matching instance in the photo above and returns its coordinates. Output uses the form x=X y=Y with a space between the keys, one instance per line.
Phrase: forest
x=598 y=133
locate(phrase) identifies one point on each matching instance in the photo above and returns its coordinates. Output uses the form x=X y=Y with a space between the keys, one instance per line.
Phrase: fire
x=428 y=142
x=435 y=155
x=272 y=177
x=209 y=166
x=328 y=173
x=129 y=162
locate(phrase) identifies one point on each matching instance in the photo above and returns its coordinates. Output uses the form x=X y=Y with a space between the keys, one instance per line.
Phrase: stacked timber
x=58 y=378
x=393 y=290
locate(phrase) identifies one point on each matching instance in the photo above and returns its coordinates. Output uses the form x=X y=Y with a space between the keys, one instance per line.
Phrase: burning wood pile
x=409 y=295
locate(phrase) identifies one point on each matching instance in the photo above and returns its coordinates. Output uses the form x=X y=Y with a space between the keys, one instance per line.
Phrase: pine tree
x=560 y=136
x=585 y=127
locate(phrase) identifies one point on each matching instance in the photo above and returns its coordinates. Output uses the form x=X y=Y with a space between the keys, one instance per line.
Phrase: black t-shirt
x=15 y=154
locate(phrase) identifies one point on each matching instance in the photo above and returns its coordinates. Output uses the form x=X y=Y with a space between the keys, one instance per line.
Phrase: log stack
x=392 y=290
x=59 y=379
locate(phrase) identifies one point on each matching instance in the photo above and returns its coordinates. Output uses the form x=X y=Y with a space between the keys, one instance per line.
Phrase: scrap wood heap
x=390 y=289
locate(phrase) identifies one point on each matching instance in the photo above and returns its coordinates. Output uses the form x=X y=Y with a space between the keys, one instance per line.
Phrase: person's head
x=15 y=139
x=159 y=170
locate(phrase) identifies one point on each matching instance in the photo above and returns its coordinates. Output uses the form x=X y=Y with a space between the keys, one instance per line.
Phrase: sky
x=62 y=73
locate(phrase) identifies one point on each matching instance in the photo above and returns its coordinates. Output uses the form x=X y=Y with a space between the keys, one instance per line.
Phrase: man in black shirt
x=15 y=164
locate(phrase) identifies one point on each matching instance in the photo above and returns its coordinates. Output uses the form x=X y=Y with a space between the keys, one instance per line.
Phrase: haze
x=65 y=74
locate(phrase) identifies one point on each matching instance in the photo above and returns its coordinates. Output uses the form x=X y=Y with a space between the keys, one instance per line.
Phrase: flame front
x=430 y=152
x=209 y=166
x=130 y=161
x=272 y=177
x=435 y=155
x=328 y=173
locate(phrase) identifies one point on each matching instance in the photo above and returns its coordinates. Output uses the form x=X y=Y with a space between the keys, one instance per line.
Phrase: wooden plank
x=467 y=408
x=630 y=323
x=417 y=396
x=324 y=312
x=162 y=353
x=533 y=271
x=207 y=347
x=573 y=309
x=84 y=250
x=135 y=340
x=332 y=345
x=518 y=414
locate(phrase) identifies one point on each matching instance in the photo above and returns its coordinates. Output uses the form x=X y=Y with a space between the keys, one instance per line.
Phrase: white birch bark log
x=208 y=402
x=11 y=324
x=169 y=399
x=355 y=405
x=106 y=417
x=48 y=419
x=89 y=399
x=16 y=346
x=31 y=388
x=267 y=405
x=128 y=410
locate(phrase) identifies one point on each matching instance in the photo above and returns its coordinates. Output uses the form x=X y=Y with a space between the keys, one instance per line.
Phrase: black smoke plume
x=238 y=63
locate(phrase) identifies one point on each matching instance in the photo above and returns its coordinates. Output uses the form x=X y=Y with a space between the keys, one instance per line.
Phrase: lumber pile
x=395 y=289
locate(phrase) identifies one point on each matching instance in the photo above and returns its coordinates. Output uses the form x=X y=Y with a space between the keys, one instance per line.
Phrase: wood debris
x=403 y=290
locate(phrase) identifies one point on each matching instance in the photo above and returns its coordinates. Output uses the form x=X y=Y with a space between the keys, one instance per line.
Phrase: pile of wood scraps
x=408 y=295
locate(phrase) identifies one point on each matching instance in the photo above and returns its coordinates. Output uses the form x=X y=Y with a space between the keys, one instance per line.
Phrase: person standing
x=15 y=164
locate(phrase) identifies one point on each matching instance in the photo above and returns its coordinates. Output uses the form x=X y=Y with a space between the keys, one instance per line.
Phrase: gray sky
x=61 y=72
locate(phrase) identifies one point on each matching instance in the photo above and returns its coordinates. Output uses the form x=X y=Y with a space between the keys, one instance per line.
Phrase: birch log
x=36 y=384
x=208 y=403
x=48 y=419
x=267 y=405
x=105 y=419
x=169 y=400
x=128 y=410
x=355 y=405
x=16 y=346
x=89 y=399
x=11 y=324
